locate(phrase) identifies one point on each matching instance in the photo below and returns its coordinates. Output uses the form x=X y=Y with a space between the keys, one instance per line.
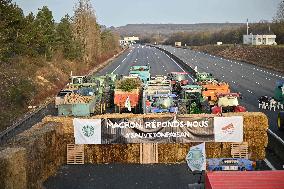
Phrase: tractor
x=83 y=102
x=191 y=100
x=143 y=72
x=228 y=103
x=161 y=103
x=157 y=87
x=211 y=89
x=279 y=91
x=178 y=79
x=204 y=76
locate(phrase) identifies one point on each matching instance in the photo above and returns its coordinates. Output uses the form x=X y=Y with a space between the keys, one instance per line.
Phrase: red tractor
x=228 y=102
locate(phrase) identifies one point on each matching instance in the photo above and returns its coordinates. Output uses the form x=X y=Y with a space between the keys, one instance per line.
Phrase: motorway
x=138 y=55
x=250 y=80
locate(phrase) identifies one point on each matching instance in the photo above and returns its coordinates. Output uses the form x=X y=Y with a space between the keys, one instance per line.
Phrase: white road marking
x=123 y=59
x=269 y=164
x=115 y=69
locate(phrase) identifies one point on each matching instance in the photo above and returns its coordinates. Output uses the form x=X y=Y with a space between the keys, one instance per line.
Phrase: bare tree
x=280 y=13
x=87 y=31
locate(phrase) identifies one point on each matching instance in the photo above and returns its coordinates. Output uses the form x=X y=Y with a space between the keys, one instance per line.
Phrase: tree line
x=78 y=37
x=233 y=36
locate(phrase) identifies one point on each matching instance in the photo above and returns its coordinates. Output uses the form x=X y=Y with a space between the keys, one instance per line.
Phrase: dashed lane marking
x=115 y=69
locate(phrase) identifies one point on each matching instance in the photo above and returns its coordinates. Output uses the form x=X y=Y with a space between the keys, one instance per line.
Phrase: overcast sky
x=122 y=12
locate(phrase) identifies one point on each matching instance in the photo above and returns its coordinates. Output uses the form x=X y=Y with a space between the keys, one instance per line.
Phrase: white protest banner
x=196 y=158
x=87 y=131
x=228 y=129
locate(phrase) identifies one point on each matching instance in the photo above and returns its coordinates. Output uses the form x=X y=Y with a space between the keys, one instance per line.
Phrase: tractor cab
x=204 y=76
x=143 y=72
x=228 y=103
x=76 y=80
x=178 y=77
x=279 y=91
x=161 y=103
x=191 y=100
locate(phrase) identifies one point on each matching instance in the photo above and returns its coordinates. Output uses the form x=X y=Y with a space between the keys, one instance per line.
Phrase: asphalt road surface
x=138 y=55
x=250 y=80
x=118 y=176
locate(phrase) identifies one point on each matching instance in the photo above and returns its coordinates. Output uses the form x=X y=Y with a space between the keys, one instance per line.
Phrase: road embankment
x=271 y=57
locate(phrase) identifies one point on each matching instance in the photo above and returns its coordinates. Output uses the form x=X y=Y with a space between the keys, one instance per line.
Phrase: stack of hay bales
x=45 y=151
x=255 y=127
x=255 y=133
x=13 y=168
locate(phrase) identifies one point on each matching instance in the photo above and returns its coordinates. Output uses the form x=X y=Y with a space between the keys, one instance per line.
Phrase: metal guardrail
x=187 y=67
x=25 y=118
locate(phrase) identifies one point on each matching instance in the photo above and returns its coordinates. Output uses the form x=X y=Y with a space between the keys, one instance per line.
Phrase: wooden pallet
x=239 y=150
x=75 y=154
x=148 y=153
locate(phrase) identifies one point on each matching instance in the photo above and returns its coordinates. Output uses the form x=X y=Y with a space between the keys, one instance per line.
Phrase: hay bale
x=133 y=153
x=66 y=126
x=226 y=153
x=45 y=150
x=13 y=165
x=257 y=153
x=213 y=152
x=253 y=121
x=112 y=153
x=213 y=145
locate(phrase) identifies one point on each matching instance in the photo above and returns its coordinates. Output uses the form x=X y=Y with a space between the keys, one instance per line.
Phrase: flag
x=87 y=131
x=196 y=158
x=127 y=104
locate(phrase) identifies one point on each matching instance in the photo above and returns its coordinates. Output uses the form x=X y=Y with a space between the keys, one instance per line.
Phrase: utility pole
x=247 y=26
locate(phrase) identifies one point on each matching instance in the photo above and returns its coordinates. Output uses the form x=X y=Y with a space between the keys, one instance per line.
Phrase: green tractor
x=279 y=91
x=204 y=76
x=279 y=96
x=106 y=85
x=191 y=101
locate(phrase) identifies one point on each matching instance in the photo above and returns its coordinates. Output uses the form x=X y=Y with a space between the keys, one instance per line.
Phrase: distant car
x=230 y=164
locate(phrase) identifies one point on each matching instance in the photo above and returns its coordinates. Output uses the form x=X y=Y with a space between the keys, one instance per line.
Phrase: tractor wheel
x=182 y=109
x=280 y=120
x=97 y=110
x=117 y=109
x=108 y=99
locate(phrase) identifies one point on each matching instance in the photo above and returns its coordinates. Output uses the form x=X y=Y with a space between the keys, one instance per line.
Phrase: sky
x=122 y=12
